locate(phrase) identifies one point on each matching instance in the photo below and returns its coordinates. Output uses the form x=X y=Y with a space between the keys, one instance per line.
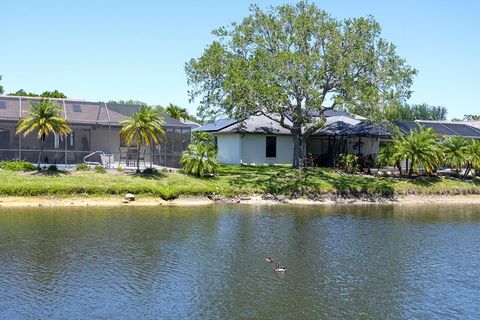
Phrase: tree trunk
x=399 y=167
x=410 y=170
x=467 y=170
x=138 y=159
x=297 y=151
x=42 y=145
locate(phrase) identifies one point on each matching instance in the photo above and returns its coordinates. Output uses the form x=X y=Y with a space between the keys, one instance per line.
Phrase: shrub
x=348 y=162
x=120 y=169
x=52 y=168
x=150 y=171
x=17 y=166
x=199 y=160
x=100 y=169
x=82 y=167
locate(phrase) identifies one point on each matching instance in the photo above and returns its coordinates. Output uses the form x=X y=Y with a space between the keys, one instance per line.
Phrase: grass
x=231 y=181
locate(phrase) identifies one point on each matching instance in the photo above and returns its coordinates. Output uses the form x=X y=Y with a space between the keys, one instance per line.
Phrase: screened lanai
x=95 y=127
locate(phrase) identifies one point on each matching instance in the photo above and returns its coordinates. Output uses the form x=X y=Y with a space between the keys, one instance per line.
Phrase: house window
x=77 y=108
x=271 y=147
x=3 y=105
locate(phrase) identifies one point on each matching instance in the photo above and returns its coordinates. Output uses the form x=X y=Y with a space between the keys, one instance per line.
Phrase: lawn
x=231 y=181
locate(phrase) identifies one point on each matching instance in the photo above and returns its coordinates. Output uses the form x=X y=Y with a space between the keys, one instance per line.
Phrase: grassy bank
x=231 y=181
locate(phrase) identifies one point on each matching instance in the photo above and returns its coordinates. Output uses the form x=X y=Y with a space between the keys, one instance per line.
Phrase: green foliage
x=100 y=169
x=82 y=167
x=472 y=156
x=44 y=118
x=410 y=112
x=150 y=172
x=52 y=168
x=120 y=169
x=199 y=160
x=294 y=60
x=47 y=94
x=176 y=112
x=17 y=166
x=421 y=148
x=348 y=162
x=203 y=137
x=1 y=87
x=142 y=128
x=130 y=101
x=385 y=156
x=471 y=117
x=454 y=149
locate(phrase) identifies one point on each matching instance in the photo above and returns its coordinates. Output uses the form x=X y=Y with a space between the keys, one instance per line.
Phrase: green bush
x=52 y=168
x=17 y=166
x=82 y=167
x=150 y=171
x=120 y=169
x=100 y=169
x=348 y=162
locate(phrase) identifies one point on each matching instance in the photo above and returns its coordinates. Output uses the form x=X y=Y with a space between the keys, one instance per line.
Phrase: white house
x=260 y=140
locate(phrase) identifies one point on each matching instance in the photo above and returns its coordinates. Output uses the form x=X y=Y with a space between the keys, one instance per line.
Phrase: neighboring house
x=260 y=140
x=95 y=127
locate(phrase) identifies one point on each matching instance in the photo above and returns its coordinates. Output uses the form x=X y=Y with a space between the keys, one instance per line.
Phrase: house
x=95 y=127
x=260 y=140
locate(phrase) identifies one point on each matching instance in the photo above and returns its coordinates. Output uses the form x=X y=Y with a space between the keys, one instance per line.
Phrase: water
x=208 y=263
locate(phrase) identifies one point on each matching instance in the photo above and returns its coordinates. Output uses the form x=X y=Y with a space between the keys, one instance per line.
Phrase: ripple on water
x=150 y=264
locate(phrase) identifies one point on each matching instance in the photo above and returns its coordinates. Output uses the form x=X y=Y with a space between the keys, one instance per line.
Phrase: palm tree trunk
x=40 y=153
x=410 y=170
x=467 y=170
x=138 y=158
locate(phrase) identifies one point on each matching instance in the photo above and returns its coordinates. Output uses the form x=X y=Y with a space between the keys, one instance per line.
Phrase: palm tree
x=203 y=137
x=199 y=160
x=472 y=156
x=176 y=112
x=421 y=148
x=44 y=118
x=142 y=128
x=454 y=149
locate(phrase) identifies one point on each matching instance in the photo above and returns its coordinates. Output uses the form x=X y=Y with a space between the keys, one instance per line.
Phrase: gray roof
x=362 y=129
x=444 y=128
x=77 y=111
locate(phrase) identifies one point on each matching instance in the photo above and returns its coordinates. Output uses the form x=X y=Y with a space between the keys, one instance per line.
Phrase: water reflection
x=343 y=262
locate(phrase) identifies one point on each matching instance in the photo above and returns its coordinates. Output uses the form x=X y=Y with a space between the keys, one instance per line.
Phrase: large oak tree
x=294 y=62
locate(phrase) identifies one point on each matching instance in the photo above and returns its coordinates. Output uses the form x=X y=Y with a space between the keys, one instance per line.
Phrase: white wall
x=254 y=147
x=250 y=148
x=369 y=146
x=228 y=148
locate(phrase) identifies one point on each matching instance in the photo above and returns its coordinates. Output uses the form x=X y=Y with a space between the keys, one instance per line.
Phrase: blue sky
x=110 y=50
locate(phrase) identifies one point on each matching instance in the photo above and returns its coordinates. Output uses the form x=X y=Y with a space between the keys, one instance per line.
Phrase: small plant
x=82 y=167
x=100 y=169
x=150 y=171
x=120 y=169
x=52 y=168
x=17 y=166
x=348 y=162
x=164 y=170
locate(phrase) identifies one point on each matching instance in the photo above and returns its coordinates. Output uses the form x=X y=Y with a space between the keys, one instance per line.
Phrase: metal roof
x=77 y=111
x=442 y=128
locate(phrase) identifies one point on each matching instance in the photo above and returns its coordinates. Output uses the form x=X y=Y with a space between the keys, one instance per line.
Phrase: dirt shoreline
x=118 y=201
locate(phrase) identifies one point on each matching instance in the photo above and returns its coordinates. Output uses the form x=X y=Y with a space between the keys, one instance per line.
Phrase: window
x=3 y=105
x=77 y=108
x=271 y=147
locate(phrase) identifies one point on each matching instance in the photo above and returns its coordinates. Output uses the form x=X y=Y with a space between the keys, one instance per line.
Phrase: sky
x=112 y=50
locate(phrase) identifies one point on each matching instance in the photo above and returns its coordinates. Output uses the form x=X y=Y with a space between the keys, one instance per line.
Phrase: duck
x=269 y=259
x=278 y=268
